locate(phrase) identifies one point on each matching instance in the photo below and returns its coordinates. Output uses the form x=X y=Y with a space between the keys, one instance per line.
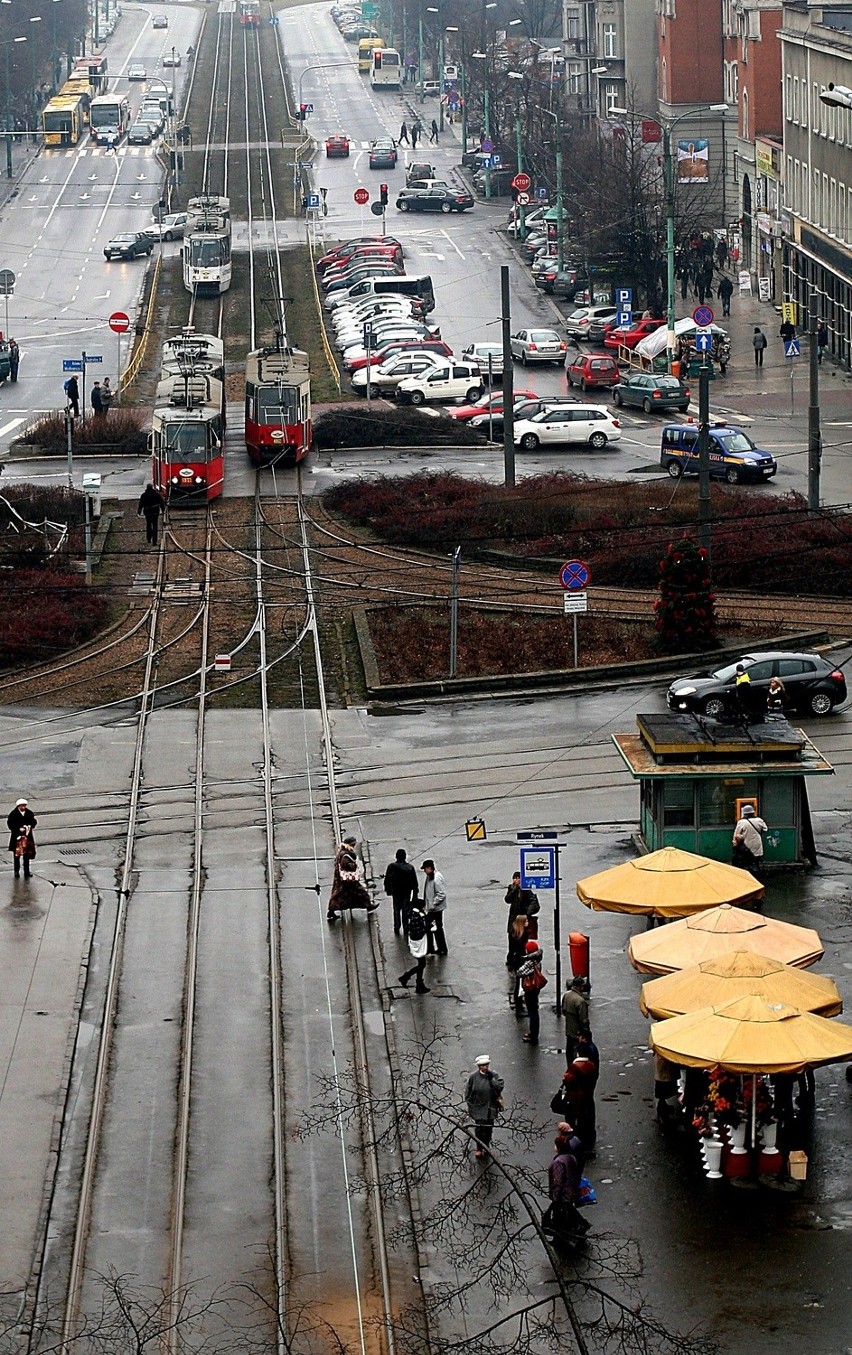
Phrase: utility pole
x=704 y=505
x=814 y=434
x=508 y=381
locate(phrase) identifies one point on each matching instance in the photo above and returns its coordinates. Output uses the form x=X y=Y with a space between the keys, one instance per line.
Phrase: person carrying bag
x=532 y=980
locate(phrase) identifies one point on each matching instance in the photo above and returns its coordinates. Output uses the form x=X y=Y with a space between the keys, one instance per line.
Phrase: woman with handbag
x=347 y=888
x=532 y=980
x=21 y=823
x=519 y=935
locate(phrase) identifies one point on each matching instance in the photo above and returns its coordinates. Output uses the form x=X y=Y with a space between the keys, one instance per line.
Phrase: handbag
x=586 y=1193
x=531 y=983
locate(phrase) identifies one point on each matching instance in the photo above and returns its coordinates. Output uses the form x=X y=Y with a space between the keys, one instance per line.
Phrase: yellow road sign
x=475 y=829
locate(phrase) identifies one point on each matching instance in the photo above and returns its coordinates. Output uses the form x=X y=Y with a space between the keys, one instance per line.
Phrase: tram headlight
x=199 y=479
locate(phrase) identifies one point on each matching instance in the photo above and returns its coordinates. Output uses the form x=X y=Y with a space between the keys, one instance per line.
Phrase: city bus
x=109 y=117
x=78 y=86
x=95 y=69
x=385 y=68
x=365 y=53
x=63 y=120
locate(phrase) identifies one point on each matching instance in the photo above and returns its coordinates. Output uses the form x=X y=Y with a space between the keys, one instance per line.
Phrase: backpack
x=416 y=925
x=67 y=386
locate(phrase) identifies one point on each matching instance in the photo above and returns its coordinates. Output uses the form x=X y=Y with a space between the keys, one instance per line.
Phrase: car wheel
x=529 y=441
x=616 y=397
x=403 y=206
x=597 y=440
x=647 y=406
x=523 y=359
x=446 y=207
x=732 y=475
x=674 y=469
x=570 y=381
x=583 y=385
x=473 y=394
x=167 y=235
x=714 y=707
x=416 y=397
x=821 y=703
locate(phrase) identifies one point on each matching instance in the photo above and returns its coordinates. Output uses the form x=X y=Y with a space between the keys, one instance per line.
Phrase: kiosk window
x=679 y=805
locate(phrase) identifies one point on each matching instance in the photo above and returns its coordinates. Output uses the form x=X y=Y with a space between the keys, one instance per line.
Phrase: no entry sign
x=119 y=323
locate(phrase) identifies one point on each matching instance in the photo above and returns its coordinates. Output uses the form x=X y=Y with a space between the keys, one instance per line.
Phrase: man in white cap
x=483 y=1098
x=747 y=841
x=21 y=823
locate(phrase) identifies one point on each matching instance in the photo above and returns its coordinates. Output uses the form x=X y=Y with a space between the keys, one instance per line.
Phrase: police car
x=733 y=455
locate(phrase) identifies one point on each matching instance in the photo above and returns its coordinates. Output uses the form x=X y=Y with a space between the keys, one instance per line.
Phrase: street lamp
x=522 y=211
x=435 y=9
x=669 y=190
x=35 y=19
x=837 y=96
x=54 y=78
x=560 y=223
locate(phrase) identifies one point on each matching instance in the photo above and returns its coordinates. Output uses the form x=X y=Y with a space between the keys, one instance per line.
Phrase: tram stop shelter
x=695 y=774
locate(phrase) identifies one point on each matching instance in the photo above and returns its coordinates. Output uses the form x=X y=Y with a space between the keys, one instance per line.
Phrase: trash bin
x=578 y=947
x=676 y=368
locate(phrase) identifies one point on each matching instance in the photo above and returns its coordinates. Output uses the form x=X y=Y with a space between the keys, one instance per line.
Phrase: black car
x=433 y=200
x=812 y=685
x=140 y=134
x=129 y=246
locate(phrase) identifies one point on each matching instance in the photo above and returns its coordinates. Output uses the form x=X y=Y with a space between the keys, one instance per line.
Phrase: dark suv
x=129 y=246
x=812 y=685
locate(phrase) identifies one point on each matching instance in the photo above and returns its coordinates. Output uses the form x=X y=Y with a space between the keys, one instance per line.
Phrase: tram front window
x=207 y=253
x=186 y=444
x=277 y=405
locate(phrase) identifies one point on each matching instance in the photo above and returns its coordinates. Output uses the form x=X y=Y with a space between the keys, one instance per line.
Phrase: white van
x=418 y=288
x=455 y=381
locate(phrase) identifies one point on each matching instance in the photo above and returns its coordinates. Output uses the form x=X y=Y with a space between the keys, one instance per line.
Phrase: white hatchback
x=455 y=381
x=386 y=378
x=589 y=424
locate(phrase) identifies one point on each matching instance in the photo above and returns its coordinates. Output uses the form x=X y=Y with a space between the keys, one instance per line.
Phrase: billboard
x=693 y=161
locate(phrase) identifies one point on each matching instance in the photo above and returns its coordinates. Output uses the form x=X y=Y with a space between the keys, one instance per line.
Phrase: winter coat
x=435 y=893
x=521 y=901
x=575 y=1010
x=347 y=890
x=564 y=1178
x=150 y=502
x=17 y=820
x=481 y=1095
x=401 y=882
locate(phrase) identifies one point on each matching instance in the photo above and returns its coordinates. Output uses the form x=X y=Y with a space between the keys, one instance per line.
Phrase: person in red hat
x=531 y=981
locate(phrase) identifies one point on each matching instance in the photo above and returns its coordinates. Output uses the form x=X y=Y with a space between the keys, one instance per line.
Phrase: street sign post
x=540 y=870
x=793 y=348
x=361 y=196
x=703 y=316
x=523 y=199
x=522 y=182
x=7 y=289
x=119 y=323
x=72 y=365
x=575 y=577
x=703 y=341
x=312 y=200
x=538 y=867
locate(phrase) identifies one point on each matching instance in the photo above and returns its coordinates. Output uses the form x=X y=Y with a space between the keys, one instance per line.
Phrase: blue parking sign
x=624 y=317
x=624 y=298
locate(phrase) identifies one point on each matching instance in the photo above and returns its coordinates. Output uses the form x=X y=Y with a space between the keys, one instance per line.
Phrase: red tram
x=188 y=424
x=250 y=13
x=278 y=406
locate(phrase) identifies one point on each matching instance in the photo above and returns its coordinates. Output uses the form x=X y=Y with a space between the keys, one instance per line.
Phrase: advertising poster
x=693 y=161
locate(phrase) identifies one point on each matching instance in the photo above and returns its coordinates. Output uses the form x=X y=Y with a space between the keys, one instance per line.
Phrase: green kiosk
x=695 y=775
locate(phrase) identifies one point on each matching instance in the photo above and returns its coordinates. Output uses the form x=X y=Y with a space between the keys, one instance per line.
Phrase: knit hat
x=531 y=947
x=481 y=1059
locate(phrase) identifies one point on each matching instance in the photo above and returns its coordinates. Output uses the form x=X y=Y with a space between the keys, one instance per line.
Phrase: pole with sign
x=119 y=323
x=539 y=867
x=575 y=577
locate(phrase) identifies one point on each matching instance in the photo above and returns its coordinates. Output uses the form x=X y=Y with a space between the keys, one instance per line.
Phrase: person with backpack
x=418 y=946
x=72 y=392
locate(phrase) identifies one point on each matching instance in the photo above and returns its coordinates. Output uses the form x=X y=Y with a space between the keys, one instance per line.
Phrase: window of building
x=804 y=103
x=746 y=133
x=610 y=94
x=826 y=204
x=575 y=78
x=610 y=40
x=664 y=80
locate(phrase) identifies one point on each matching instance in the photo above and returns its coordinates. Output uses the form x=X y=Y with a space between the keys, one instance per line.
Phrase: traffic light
x=377 y=58
x=383 y=194
x=303 y=112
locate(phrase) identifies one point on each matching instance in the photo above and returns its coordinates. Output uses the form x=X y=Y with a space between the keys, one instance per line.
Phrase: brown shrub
x=43 y=612
x=124 y=430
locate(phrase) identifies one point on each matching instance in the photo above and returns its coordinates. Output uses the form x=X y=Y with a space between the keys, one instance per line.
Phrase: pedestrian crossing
x=95 y=152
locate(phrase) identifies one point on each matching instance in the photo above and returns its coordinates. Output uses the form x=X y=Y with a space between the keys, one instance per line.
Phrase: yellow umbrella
x=667 y=883
x=751 y=1035
x=739 y=974
x=717 y=932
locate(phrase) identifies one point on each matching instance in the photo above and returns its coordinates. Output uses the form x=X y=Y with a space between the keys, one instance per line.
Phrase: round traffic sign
x=376 y=208
x=119 y=323
x=361 y=196
x=486 y=145
x=703 y=316
x=522 y=182
x=7 y=282
x=575 y=575
x=523 y=199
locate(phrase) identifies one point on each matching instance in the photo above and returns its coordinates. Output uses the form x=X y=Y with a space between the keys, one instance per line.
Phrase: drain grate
x=74 y=851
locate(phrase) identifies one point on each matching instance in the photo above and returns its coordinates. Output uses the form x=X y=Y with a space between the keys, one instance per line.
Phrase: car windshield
x=736 y=442
x=187 y=442
x=278 y=404
x=728 y=673
x=543 y=336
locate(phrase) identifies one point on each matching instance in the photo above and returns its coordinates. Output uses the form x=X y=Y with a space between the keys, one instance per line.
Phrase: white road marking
x=452 y=243
x=9 y=427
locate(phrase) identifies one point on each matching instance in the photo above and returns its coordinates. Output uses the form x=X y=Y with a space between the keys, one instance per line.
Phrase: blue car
x=733 y=455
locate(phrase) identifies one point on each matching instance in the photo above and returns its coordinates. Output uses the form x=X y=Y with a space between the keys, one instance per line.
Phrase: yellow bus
x=62 y=120
x=78 y=87
x=365 y=53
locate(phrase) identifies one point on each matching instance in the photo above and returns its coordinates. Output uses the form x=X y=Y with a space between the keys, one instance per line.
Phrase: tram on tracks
x=250 y=13
x=188 y=425
x=206 y=250
x=278 y=406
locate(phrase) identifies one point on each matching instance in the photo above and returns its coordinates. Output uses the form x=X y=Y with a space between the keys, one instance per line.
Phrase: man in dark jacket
x=564 y=1183
x=72 y=390
x=522 y=902
x=725 y=292
x=151 y=505
x=21 y=823
x=401 y=885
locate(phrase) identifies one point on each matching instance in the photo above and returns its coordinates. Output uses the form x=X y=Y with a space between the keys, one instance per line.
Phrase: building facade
x=689 y=81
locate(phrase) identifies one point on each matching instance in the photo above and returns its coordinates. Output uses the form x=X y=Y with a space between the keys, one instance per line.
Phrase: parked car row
x=351 y=23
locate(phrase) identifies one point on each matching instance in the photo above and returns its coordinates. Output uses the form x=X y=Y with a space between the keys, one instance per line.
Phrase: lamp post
x=436 y=9
x=9 y=42
x=669 y=194
x=560 y=216
x=519 y=150
x=420 y=53
x=54 y=79
x=35 y=19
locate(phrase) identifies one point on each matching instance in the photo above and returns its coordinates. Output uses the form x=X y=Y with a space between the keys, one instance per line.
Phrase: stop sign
x=119 y=323
x=522 y=182
x=361 y=196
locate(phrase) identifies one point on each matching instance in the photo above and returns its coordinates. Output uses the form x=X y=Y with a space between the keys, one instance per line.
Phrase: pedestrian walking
x=418 y=929
x=401 y=885
x=521 y=901
x=416 y=129
x=747 y=841
x=575 y=1010
x=484 y=1099
x=821 y=338
x=97 y=405
x=107 y=395
x=776 y=695
x=684 y=282
x=403 y=134
x=347 y=888
x=787 y=331
x=701 y=288
x=21 y=823
x=563 y=1219
x=532 y=981
x=14 y=359
x=723 y=353
x=435 y=904
x=151 y=505
x=433 y=135
x=721 y=253
x=72 y=392
x=742 y=691
x=725 y=291
x=758 y=340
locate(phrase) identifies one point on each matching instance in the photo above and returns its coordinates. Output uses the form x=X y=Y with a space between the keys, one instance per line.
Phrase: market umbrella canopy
x=739 y=974
x=667 y=883
x=717 y=932
x=751 y=1035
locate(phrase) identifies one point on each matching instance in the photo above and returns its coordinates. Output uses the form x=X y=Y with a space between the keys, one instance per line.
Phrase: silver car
x=488 y=355
x=538 y=345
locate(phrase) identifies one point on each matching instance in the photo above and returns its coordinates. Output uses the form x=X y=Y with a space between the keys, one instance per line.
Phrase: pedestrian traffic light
x=303 y=112
x=383 y=194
